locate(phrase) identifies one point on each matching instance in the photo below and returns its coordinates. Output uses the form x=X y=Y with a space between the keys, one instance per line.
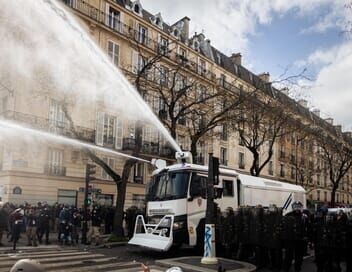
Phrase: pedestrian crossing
x=68 y=260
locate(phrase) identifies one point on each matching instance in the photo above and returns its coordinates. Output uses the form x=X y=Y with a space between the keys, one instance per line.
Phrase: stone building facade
x=55 y=173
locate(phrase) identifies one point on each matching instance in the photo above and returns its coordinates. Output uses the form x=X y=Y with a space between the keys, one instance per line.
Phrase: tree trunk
x=121 y=197
x=333 y=195
x=255 y=164
x=194 y=148
x=122 y=186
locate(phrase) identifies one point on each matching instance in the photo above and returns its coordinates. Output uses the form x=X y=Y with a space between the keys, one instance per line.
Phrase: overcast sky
x=273 y=35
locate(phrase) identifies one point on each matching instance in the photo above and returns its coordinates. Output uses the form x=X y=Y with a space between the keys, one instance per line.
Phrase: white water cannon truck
x=176 y=201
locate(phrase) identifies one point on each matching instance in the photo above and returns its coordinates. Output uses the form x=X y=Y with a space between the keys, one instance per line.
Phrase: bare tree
x=336 y=151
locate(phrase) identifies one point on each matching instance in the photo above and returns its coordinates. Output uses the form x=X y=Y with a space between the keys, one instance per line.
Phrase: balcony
x=148 y=148
x=82 y=7
x=52 y=126
x=55 y=170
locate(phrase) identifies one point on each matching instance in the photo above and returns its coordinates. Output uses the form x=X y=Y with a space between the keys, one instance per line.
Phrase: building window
x=282 y=152
x=224 y=132
x=142 y=34
x=201 y=93
x=3 y=104
x=138 y=173
x=104 y=199
x=228 y=188
x=113 y=52
x=241 y=161
x=55 y=163
x=164 y=75
x=114 y=19
x=17 y=190
x=202 y=67
x=111 y=163
x=56 y=116
x=271 y=168
x=282 y=170
x=223 y=156
x=138 y=200
x=293 y=172
x=325 y=196
x=163 y=46
x=108 y=130
x=318 y=195
x=68 y=197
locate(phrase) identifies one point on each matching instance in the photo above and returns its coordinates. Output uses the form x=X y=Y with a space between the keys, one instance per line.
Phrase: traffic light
x=216 y=170
x=90 y=171
x=88 y=201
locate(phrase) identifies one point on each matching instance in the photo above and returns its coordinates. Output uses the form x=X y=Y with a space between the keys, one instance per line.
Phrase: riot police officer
x=294 y=235
x=44 y=224
x=271 y=236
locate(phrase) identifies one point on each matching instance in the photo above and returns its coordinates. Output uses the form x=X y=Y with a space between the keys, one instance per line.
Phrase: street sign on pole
x=209 y=232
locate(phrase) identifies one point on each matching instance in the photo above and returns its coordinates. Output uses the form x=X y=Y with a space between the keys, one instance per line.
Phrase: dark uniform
x=244 y=250
x=349 y=245
x=271 y=237
x=256 y=235
x=294 y=236
x=44 y=224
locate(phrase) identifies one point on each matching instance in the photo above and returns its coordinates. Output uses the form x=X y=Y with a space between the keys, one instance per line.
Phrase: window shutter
x=119 y=133
x=107 y=7
x=121 y=22
x=99 y=135
x=134 y=62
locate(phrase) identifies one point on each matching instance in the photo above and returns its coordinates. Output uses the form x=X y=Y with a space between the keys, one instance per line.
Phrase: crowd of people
x=273 y=240
x=37 y=221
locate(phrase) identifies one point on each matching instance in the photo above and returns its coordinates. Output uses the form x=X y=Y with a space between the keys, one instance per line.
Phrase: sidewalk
x=22 y=243
x=193 y=264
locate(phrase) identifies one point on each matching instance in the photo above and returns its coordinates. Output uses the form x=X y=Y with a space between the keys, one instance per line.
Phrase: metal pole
x=209 y=234
x=296 y=161
x=85 y=208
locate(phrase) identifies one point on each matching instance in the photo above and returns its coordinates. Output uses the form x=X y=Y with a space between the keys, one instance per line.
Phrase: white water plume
x=9 y=130
x=45 y=50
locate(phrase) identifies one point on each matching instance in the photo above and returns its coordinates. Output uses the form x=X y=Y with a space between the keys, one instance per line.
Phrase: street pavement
x=55 y=258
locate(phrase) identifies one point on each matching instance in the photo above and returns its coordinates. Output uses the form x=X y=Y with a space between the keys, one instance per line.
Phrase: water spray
x=10 y=126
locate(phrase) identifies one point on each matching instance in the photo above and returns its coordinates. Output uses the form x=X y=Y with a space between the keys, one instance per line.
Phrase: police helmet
x=27 y=265
x=174 y=269
x=297 y=206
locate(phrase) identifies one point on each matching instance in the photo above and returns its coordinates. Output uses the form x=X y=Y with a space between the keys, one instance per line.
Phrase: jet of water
x=43 y=45
x=10 y=129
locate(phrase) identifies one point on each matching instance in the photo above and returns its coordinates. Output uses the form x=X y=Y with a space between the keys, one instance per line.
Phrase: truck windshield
x=167 y=186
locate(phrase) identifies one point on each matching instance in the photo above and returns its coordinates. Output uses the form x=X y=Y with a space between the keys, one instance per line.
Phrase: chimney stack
x=303 y=103
x=236 y=58
x=348 y=134
x=330 y=121
x=265 y=77
x=316 y=112
x=338 y=128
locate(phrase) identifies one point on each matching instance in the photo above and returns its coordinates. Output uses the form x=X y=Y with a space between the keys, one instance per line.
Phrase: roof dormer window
x=176 y=32
x=196 y=45
x=157 y=20
x=137 y=7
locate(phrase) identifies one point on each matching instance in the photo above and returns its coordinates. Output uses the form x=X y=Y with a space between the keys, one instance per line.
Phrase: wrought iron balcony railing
x=55 y=170
x=53 y=126
x=130 y=32
x=148 y=148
